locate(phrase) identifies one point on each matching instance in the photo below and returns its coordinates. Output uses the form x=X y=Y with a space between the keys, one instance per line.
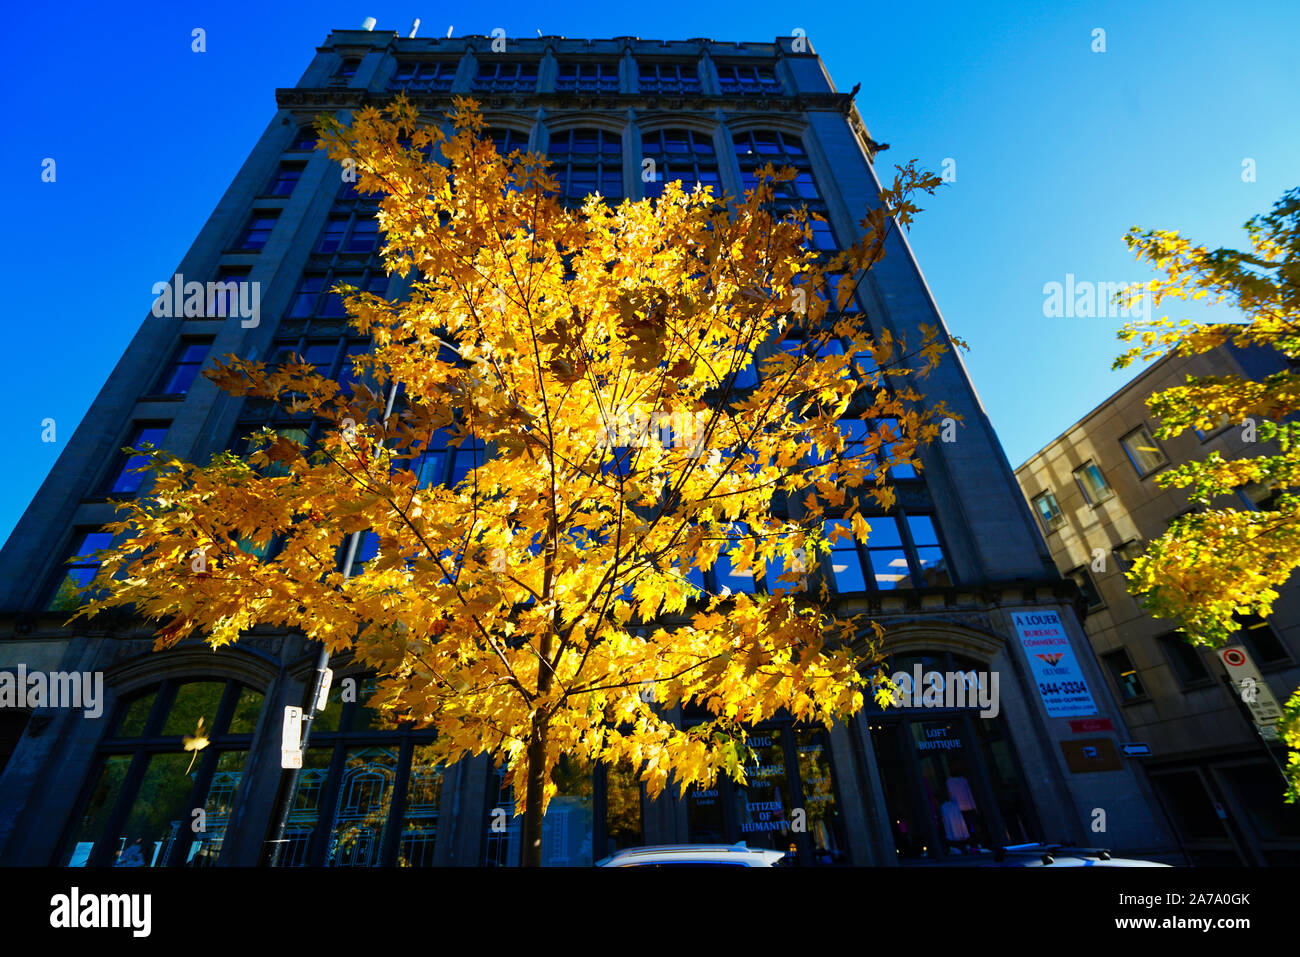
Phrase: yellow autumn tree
x=544 y=606
x=1216 y=564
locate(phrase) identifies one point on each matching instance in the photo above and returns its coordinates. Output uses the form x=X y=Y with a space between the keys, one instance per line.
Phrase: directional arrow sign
x=1132 y=749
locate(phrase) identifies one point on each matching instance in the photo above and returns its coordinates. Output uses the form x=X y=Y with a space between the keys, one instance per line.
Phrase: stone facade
x=77 y=790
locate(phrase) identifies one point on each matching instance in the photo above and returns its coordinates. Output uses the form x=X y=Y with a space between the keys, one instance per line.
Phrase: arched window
x=506 y=140
x=587 y=161
x=142 y=802
x=757 y=148
x=950 y=776
x=683 y=155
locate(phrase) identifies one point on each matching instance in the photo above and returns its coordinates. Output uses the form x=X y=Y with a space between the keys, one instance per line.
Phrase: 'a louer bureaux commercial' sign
x=1051 y=659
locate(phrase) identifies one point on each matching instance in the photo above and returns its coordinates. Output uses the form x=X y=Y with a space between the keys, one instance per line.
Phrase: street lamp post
x=290 y=790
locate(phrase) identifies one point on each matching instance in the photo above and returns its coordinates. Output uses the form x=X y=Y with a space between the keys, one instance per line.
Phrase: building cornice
x=347 y=98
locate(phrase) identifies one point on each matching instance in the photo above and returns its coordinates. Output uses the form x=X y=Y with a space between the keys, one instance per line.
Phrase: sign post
x=1250 y=688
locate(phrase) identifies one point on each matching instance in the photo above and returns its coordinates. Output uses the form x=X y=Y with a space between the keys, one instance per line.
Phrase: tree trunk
x=536 y=782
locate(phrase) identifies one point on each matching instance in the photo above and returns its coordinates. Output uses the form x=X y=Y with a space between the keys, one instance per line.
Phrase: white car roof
x=685 y=852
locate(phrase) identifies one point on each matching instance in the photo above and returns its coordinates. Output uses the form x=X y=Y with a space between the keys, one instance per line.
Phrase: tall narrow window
x=1124 y=674
x=886 y=554
x=1143 y=452
x=929 y=554
x=728 y=577
x=1089 y=591
x=123 y=479
x=258 y=230
x=1092 y=483
x=285 y=179
x=845 y=563
x=890 y=433
x=79 y=573
x=465 y=457
x=184 y=367
x=331 y=237
x=1049 y=513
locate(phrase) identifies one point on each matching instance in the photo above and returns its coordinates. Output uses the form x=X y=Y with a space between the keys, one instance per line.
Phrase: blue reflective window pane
x=889 y=568
x=922 y=529
x=884 y=532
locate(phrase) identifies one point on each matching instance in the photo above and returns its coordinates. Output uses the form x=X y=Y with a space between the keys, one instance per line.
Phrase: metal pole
x=322 y=665
x=1242 y=708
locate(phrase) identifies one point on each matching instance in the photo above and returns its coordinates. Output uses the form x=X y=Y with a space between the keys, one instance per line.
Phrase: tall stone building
x=1095 y=494
x=958 y=572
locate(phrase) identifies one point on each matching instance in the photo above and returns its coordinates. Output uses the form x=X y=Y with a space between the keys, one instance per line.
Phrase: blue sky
x=1057 y=151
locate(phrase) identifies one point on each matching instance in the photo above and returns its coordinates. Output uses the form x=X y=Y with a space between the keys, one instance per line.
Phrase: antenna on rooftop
x=368 y=23
x=414 y=26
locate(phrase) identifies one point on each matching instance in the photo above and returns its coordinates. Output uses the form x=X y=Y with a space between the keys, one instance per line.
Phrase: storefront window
x=567 y=827
x=763 y=803
x=1257 y=791
x=423 y=797
x=787 y=803
x=151 y=802
x=911 y=838
x=368 y=795
x=1189 y=805
x=622 y=809
x=704 y=814
x=822 y=809
x=944 y=764
x=949 y=774
x=502 y=848
x=365 y=794
x=1017 y=814
x=595 y=807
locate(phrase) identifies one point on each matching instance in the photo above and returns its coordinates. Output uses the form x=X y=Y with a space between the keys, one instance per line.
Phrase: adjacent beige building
x=1094 y=492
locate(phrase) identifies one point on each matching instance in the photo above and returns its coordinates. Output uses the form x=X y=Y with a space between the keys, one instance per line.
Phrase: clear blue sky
x=1057 y=150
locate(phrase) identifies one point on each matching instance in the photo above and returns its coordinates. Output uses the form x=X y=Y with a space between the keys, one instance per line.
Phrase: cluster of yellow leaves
x=1215 y=565
x=544 y=604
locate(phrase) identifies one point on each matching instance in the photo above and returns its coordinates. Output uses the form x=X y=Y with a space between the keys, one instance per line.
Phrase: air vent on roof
x=368 y=23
